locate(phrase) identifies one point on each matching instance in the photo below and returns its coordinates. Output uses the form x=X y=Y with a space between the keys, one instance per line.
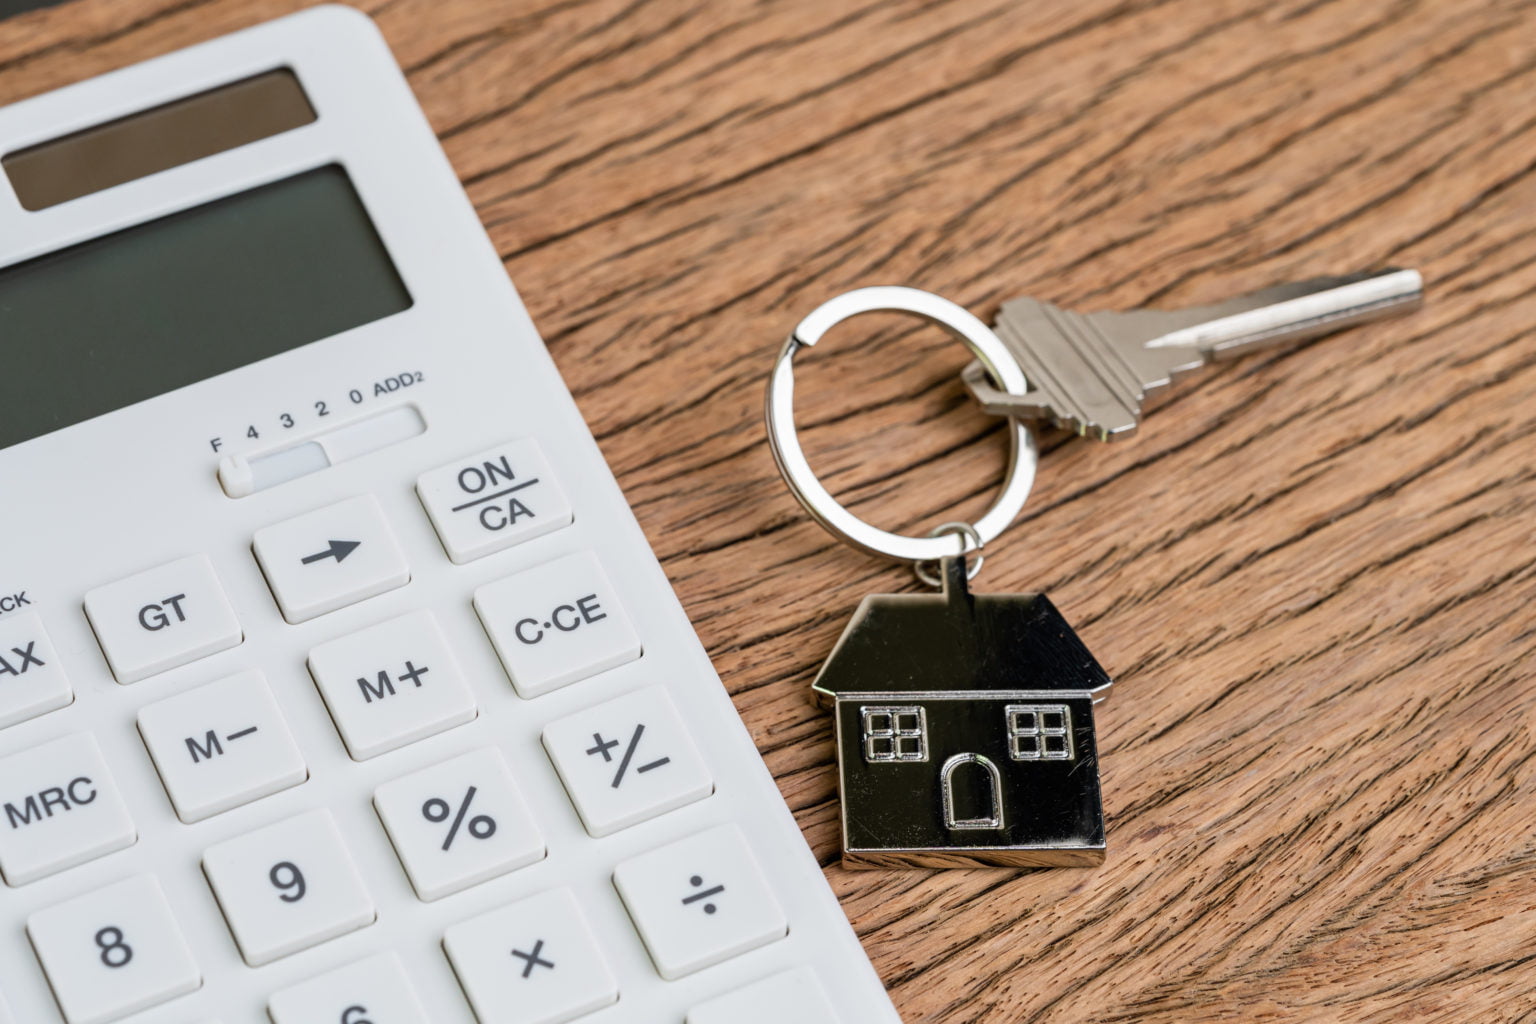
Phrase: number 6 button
x=113 y=952
x=372 y=991
x=287 y=887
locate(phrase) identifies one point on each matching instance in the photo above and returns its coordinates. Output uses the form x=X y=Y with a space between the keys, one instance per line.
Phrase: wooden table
x=1312 y=574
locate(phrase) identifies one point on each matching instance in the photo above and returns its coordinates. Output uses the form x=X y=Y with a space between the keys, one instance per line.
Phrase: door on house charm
x=971 y=788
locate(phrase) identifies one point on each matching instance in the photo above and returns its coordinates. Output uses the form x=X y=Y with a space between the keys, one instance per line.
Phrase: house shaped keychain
x=972 y=722
x=965 y=722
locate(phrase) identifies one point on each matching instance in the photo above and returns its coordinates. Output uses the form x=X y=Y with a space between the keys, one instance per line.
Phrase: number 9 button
x=287 y=887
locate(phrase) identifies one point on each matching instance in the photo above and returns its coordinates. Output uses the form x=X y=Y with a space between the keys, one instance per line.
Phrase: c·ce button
x=567 y=618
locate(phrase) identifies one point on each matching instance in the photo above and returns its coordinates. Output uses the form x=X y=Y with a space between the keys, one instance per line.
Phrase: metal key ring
x=824 y=508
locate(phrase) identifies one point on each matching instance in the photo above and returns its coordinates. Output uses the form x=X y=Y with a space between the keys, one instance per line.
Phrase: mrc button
x=556 y=623
x=58 y=808
x=162 y=618
x=490 y=501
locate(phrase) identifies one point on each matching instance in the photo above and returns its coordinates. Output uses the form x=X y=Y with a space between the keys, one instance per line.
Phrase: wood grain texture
x=1313 y=573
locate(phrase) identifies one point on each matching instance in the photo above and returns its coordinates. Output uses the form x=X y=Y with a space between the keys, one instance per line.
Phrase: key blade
x=1090 y=373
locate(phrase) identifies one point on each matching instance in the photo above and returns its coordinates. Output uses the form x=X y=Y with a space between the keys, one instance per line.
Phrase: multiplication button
x=221 y=745
x=627 y=760
x=699 y=901
x=557 y=623
x=163 y=618
x=490 y=501
x=391 y=684
x=458 y=823
x=60 y=808
x=534 y=962
x=31 y=681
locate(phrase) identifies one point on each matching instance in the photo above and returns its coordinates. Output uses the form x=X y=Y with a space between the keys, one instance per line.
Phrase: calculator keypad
x=376 y=990
x=391 y=684
x=557 y=623
x=329 y=558
x=534 y=962
x=292 y=885
x=113 y=952
x=221 y=745
x=700 y=901
x=490 y=501
x=31 y=680
x=61 y=808
x=287 y=887
x=162 y=619
x=627 y=760
x=791 y=996
x=459 y=823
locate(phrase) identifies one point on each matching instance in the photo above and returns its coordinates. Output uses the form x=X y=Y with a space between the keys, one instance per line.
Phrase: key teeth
x=1086 y=386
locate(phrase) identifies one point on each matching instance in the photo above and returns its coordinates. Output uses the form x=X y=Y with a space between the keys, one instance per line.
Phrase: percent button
x=436 y=810
x=458 y=823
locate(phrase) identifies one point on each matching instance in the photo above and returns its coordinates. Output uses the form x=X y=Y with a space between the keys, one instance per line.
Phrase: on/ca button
x=330 y=558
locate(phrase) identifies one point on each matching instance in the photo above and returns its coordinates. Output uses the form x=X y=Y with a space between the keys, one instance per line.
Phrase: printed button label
x=492 y=500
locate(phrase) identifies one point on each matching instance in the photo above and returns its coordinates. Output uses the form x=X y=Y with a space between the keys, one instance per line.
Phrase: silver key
x=1090 y=372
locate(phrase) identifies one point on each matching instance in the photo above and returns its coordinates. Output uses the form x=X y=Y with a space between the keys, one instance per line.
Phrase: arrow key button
x=330 y=558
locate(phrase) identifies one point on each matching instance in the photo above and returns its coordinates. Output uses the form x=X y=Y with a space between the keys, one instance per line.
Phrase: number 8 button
x=113 y=952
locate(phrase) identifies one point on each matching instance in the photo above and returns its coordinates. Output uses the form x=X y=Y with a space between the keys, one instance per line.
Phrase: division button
x=113 y=952
x=287 y=887
x=162 y=618
x=221 y=745
x=459 y=823
x=376 y=990
x=391 y=684
x=58 y=807
x=557 y=623
x=534 y=962
x=791 y=996
x=31 y=680
x=700 y=901
x=627 y=760
x=329 y=558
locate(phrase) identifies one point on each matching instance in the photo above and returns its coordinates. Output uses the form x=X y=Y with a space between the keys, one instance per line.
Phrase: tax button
x=162 y=618
x=330 y=558
x=556 y=623
x=31 y=681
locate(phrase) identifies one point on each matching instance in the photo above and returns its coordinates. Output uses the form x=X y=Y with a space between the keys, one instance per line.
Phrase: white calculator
x=338 y=684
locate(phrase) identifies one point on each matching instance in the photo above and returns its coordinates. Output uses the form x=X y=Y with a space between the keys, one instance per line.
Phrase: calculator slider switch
x=244 y=475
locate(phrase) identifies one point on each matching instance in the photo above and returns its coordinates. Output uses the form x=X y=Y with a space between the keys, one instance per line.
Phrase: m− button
x=221 y=745
x=162 y=619
x=58 y=807
x=330 y=558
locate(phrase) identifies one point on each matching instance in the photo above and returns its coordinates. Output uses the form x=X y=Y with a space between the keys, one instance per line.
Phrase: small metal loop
x=926 y=574
x=816 y=500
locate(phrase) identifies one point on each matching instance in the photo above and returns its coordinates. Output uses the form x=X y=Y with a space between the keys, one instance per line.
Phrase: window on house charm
x=1039 y=732
x=895 y=734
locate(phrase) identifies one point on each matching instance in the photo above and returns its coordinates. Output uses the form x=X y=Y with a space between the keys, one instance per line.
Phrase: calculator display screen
x=139 y=312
